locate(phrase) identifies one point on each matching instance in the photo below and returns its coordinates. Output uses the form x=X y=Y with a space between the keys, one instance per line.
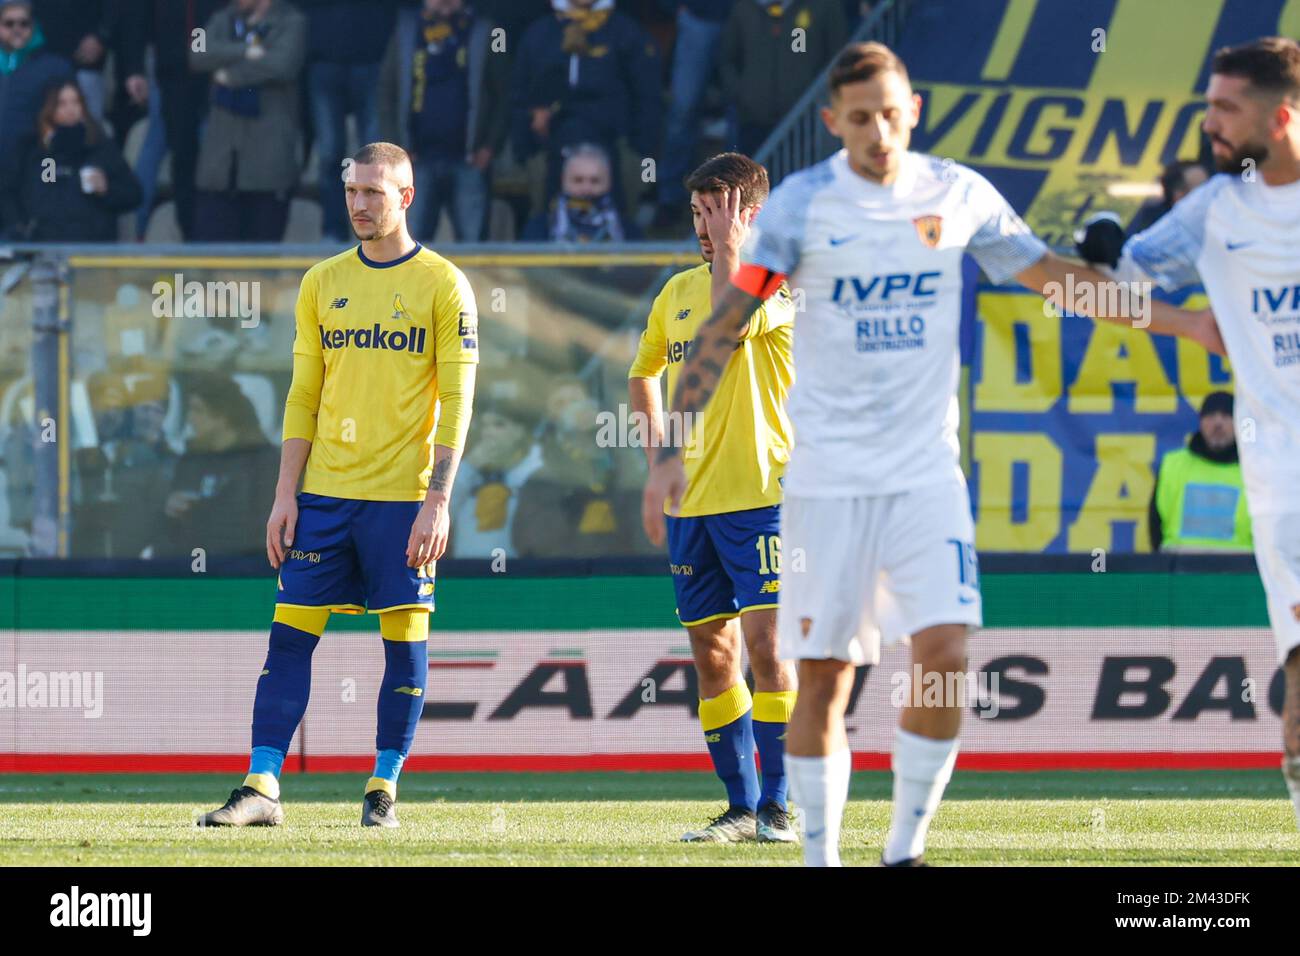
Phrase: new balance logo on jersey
x=339 y=303
x=683 y=314
x=375 y=337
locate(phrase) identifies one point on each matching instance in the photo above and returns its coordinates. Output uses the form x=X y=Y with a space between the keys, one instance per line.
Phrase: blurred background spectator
x=224 y=481
x=1199 y=503
x=695 y=58
x=1176 y=181
x=27 y=69
x=249 y=161
x=129 y=463
x=79 y=31
x=500 y=457
x=182 y=93
x=68 y=182
x=764 y=71
x=346 y=40
x=586 y=74
x=444 y=92
x=586 y=210
x=574 y=505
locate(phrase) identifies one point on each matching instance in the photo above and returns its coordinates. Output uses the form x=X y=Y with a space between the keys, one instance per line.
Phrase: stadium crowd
x=229 y=120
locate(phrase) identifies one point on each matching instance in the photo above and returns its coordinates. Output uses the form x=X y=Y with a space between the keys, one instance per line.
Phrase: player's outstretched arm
x=713 y=346
x=1055 y=278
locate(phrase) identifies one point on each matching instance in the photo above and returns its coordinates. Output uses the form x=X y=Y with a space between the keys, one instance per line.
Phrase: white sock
x=820 y=787
x=922 y=768
x=1291 y=774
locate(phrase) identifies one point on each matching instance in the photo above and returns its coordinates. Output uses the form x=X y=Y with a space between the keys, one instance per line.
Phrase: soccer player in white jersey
x=1239 y=235
x=872 y=240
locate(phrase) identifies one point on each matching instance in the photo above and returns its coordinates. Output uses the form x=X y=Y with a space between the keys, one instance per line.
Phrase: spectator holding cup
x=70 y=181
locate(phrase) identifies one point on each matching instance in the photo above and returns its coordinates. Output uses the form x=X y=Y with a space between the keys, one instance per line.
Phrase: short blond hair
x=383 y=154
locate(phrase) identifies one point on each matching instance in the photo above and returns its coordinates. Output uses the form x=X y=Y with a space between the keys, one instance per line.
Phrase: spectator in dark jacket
x=27 y=70
x=695 y=56
x=444 y=96
x=513 y=16
x=586 y=210
x=345 y=42
x=225 y=477
x=249 y=162
x=70 y=182
x=766 y=66
x=586 y=74
x=170 y=26
x=79 y=31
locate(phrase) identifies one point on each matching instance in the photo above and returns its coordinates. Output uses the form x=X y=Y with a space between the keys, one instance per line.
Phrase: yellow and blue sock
x=729 y=733
x=772 y=711
x=282 y=692
x=401 y=693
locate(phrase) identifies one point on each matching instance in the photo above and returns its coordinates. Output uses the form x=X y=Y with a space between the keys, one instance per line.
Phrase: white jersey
x=1242 y=241
x=874 y=403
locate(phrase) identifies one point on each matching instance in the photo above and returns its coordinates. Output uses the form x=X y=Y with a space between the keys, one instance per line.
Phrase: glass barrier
x=176 y=366
x=19 y=432
x=180 y=368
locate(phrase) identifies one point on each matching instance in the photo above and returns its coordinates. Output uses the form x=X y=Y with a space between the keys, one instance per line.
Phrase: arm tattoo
x=441 y=478
x=714 y=344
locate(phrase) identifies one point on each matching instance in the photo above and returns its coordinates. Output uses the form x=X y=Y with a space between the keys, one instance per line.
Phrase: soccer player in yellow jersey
x=724 y=545
x=383 y=385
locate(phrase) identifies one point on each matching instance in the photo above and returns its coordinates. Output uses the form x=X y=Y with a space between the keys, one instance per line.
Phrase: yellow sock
x=264 y=783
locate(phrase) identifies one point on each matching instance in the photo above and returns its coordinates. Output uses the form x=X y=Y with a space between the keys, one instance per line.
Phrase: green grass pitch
x=589 y=819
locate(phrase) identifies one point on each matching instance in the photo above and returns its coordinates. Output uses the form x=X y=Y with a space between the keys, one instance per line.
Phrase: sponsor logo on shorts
x=712 y=738
x=413 y=691
x=682 y=570
x=295 y=555
x=770 y=587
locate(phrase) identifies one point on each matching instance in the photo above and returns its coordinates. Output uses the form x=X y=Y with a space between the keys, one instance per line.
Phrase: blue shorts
x=724 y=564
x=350 y=556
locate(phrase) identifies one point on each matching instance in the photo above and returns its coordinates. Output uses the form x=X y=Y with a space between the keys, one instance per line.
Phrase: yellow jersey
x=377 y=346
x=739 y=445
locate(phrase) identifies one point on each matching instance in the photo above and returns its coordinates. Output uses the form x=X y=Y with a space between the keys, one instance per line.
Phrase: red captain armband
x=756 y=280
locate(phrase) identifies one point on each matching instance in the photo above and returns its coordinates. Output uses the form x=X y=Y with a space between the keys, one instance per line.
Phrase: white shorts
x=1277 y=552
x=879 y=567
